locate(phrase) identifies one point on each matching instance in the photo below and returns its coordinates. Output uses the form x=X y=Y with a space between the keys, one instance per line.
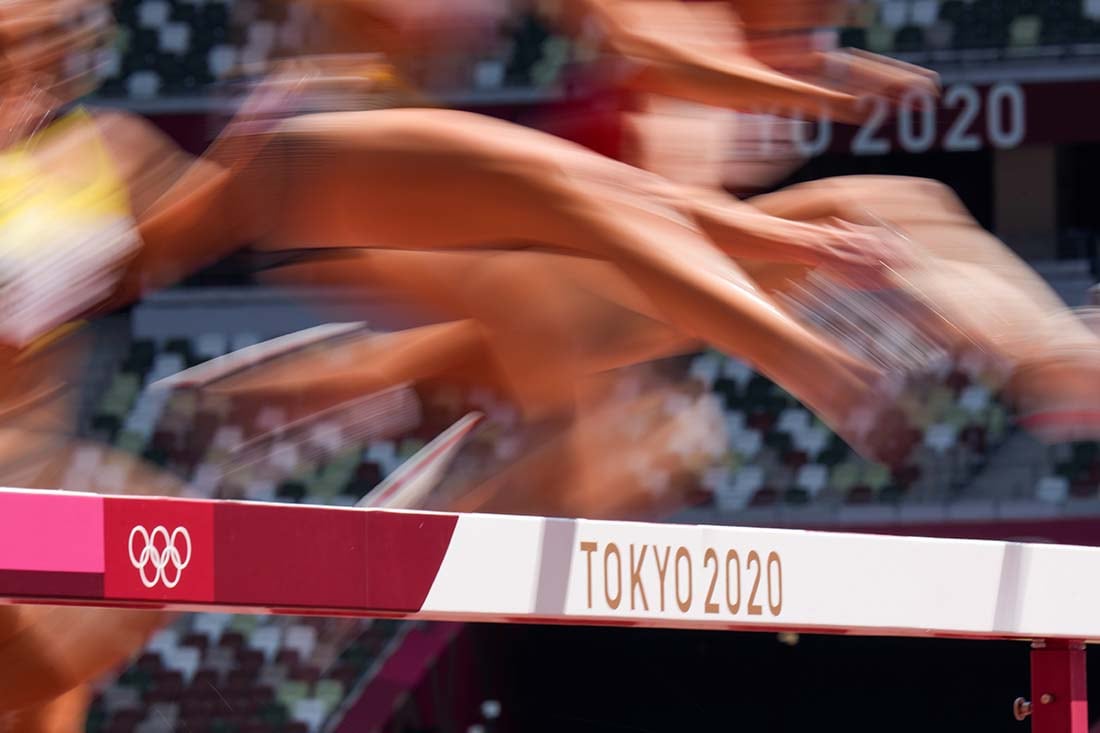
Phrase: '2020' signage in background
x=964 y=117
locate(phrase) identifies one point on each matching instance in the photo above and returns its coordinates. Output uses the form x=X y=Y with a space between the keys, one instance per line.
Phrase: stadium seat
x=735 y=421
x=144 y=85
x=764 y=497
x=1083 y=489
x=267 y=640
x=331 y=692
x=909 y=39
x=301 y=639
x=174 y=38
x=163 y=641
x=310 y=711
x=852 y=38
x=706 y=368
x=166 y=713
x=793 y=420
x=1052 y=489
x=291 y=692
x=257 y=726
x=211 y=345
x=150 y=663
x=328 y=436
x=272 y=677
x=217 y=661
x=153 y=13
x=211 y=625
x=260 y=489
x=748 y=443
x=940 y=35
x=738 y=371
x=117 y=698
x=232 y=640
x=941 y=437
x=1025 y=31
x=880 y=39
x=894 y=14
x=812 y=441
x=384 y=455
x=997 y=424
x=843 y=477
x=207 y=479
x=184 y=660
x=165 y=364
x=794 y=459
x=738 y=492
x=244 y=625
x=145 y=414
x=489 y=74
x=714 y=477
x=166 y=685
x=285 y=457
x=812 y=478
x=924 y=13
x=975 y=437
x=974 y=399
x=859 y=494
x=876 y=476
x=288 y=658
x=124 y=722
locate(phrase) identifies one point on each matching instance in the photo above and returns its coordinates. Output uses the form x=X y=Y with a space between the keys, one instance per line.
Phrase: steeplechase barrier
x=241 y=557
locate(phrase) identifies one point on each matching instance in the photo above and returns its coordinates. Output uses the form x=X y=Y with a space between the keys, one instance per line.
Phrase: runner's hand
x=861 y=255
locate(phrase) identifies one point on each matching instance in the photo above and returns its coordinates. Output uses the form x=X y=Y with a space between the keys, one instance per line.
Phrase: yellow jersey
x=65 y=235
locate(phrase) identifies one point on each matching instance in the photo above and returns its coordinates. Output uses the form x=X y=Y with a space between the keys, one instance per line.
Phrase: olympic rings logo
x=160 y=559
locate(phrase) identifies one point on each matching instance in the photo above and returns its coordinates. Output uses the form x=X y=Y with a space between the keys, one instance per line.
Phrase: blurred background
x=1015 y=133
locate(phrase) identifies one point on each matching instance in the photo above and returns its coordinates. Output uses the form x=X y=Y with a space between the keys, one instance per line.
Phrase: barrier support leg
x=1059 y=701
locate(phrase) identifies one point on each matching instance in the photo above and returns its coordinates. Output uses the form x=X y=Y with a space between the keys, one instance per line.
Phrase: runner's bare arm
x=695 y=52
x=187 y=210
x=747 y=233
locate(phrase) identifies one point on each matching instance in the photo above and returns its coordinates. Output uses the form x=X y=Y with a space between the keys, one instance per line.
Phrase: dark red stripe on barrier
x=284 y=556
x=39 y=583
x=406 y=551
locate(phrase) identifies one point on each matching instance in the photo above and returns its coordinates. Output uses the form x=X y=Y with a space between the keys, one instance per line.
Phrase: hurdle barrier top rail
x=241 y=557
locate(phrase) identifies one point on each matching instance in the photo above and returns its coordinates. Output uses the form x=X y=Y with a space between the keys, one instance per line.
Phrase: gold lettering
x=636 y=576
x=755 y=609
x=775 y=606
x=709 y=606
x=661 y=571
x=589 y=548
x=612 y=601
x=733 y=560
x=682 y=554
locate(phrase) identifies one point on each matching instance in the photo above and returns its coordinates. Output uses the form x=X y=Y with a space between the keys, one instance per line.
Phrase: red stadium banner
x=964 y=118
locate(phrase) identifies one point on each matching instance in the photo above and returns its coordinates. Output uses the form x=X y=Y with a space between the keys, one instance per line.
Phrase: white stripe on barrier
x=677 y=575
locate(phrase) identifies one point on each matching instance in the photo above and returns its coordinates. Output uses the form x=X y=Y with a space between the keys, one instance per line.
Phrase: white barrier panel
x=655 y=574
